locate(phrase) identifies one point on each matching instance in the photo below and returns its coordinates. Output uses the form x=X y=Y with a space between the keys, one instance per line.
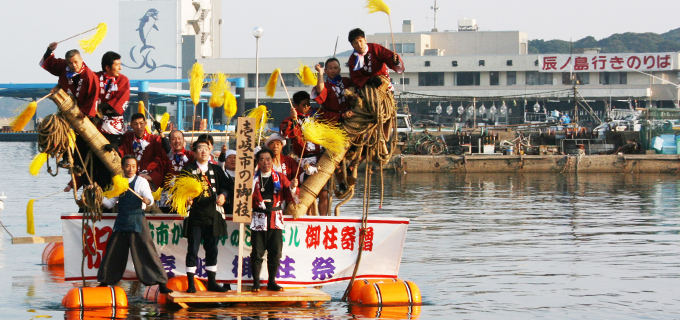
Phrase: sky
x=300 y=28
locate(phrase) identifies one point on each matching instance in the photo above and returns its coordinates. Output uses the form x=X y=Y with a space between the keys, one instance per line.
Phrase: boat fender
x=390 y=294
x=53 y=254
x=358 y=284
x=95 y=297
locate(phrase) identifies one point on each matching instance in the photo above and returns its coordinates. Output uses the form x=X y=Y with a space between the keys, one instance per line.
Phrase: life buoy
x=390 y=293
x=355 y=293
x=95 y=297
x=53 y=253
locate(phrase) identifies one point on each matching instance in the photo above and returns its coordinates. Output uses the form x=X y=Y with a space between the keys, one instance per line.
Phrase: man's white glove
x=311 y=170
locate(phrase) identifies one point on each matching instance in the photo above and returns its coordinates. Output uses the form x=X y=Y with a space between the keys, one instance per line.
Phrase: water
x=491 y=246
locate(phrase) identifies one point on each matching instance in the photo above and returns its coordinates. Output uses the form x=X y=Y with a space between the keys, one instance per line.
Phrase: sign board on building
x=606 y=62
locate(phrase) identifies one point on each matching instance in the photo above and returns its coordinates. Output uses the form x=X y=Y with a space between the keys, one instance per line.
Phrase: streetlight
x=257 y=33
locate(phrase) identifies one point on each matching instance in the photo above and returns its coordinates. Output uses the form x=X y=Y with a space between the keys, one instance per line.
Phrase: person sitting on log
x=370 y=60
x=131 y=234
x=206 y=221
x=147 y=149
x=114 y=93
x=177 y=159
x=330 y=93
x=271 y=189
x=307 y=152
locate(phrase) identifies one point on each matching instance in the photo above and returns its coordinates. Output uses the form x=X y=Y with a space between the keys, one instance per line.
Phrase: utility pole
x=435 y=8
x=575 y=104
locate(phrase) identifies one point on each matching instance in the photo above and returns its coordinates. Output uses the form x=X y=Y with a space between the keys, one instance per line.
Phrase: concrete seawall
x=537 y=164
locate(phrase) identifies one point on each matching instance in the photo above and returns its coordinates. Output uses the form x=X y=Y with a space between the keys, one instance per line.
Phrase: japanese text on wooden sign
x=245 y=164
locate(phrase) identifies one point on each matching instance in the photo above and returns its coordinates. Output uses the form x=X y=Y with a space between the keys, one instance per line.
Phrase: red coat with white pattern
x=258 y=221
x=292 y=129
x=114 y=94
x=332 y=99
x=151 y=156
x=376 y=61
x=85 y=87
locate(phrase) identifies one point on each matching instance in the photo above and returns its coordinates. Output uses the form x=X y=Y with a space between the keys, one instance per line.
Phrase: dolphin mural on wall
x=146 y=25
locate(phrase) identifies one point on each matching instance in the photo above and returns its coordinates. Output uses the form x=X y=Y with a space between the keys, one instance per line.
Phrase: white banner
x=606 y=62
x=316 y=250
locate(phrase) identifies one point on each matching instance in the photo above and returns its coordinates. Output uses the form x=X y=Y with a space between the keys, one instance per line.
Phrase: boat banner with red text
x=316 y=250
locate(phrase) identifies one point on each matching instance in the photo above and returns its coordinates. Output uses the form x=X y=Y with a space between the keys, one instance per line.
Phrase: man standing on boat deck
x=206 y=220
x=177 y=159
x=370 y=60
x=147 y=149
x=131 y=234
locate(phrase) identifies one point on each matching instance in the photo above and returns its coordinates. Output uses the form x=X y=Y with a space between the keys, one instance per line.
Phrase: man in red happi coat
x=74 y=77
x=114 y=93
x=147 y=148
x=330 y=93
x=370 y=60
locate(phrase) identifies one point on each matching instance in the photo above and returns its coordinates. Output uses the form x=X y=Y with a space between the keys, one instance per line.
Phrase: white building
x=455 y=67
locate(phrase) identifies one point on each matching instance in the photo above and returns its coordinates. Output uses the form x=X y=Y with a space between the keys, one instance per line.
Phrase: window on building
x=613 y=78
x=493 y=78
x=582 y=78
x=291 y=80
x=508 y=63
x=467 y=78
x=511 y=78
x=262 y=80
x=534 y=78
x=404 y=47
x=430 y=79
x=427 y=63
x=405 y=81
x=454 y=63
x=481 y=63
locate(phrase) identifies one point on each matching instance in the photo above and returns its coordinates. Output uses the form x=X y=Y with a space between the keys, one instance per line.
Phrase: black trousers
x=99 y=174
x=271 y=241
x=194 y=236
x=148 y=266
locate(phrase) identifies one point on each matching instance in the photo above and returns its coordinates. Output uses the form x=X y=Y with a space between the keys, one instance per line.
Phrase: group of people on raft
x=151 y=161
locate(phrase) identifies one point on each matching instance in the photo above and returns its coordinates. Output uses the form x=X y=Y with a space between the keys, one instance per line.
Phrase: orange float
x=178 y=283
x=106 y=313
x=392 y=312
x=95 y=297
x=355 y=293
x=153 y=295
x=53 y=253
x=390 y=293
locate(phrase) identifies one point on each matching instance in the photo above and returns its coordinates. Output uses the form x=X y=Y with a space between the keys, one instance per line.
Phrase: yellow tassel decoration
x=89 y=45
x=306 y=75
x=270 y=87
x=157 y=194
x=377 y=6
x=196 y=82
x=37 y=163
x=19 y=122
x=331 y=137
x=230 y=106
x=140 y=108
x=261 y=115
x=30 y=223
x=71 y=138
x=217 y=88
x=120 y=185
x=186 y=187
x=164 y=121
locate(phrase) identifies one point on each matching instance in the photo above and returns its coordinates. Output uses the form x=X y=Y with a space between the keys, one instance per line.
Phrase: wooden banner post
x=243 y=183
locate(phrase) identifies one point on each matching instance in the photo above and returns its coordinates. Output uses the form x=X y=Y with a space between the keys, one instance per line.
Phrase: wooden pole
x=241 y=235
x=95 y=28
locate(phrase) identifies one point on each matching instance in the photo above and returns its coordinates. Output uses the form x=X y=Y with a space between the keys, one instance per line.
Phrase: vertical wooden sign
x=243 y=183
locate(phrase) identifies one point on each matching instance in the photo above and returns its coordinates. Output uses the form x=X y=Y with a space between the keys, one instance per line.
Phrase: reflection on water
x=478 y=246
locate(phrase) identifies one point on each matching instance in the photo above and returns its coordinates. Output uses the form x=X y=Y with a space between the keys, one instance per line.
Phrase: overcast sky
x=310 y=27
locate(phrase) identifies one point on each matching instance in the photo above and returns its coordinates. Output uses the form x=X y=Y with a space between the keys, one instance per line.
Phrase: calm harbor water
x=479 y=246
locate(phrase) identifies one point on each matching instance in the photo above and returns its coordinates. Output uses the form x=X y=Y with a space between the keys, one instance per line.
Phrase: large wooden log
x=87 y=130
x=314 y=183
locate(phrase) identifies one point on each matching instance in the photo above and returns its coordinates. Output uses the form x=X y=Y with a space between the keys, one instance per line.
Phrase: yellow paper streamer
x=331 y=137
x=186 y=187
x=37 y=163
x=30 y=223
x=120 y=184
x=140 y=108
x=196 y=82
x=217 y=88
x=90 y=44
x=19 y=122
x=306 y=76
x=377 y=6
x=230 y=106
x=157 y=194
x=164 y=121
x=270 y=87
x=261 y=115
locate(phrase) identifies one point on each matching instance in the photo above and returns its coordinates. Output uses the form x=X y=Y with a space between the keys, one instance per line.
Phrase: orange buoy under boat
x=178 y=283
x=390 y=293
x=95 y=297
x=389 y=312
x=355 y=293
x=53 y=253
